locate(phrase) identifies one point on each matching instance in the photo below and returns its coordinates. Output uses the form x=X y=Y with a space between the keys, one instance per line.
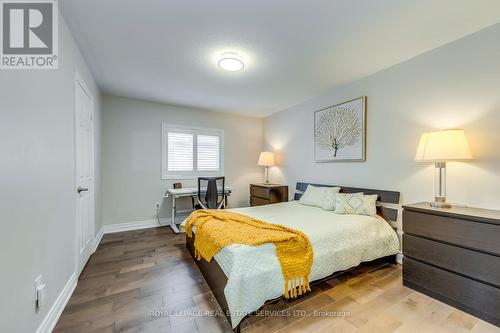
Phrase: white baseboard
x=178 y=220
x=50 y=320
x=98 y=238
x=128 y=226
x=120 y=227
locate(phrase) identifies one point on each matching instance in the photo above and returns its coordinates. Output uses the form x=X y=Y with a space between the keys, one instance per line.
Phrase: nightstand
x=265 y=194
x=453 y=255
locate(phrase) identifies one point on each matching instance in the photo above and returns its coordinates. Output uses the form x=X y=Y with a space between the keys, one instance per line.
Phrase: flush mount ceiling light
x=231 y=62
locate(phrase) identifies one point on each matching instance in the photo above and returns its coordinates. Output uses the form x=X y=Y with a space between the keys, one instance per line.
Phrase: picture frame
x=340 y=132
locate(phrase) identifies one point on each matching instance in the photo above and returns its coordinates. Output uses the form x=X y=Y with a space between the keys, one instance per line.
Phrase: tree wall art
x=339 y=132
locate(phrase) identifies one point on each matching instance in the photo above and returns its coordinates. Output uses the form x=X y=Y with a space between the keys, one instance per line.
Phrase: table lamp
x=266 y=159
x=440 y=147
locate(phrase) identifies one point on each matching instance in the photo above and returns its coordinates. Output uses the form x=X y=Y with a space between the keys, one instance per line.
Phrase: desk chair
x=210 y=193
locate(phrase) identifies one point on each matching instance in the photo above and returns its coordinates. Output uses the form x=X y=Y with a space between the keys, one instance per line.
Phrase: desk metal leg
x=172 y=221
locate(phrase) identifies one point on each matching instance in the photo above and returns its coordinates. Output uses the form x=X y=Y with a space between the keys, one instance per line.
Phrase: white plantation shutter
x=191 y=152
x=208 y=152
x=180 y=151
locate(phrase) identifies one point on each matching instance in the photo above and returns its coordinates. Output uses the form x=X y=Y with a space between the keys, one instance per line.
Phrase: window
x=208 y=152
x=189 y=152
x=180 y=151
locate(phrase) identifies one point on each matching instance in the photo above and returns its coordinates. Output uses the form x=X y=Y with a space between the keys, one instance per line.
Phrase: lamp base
x=440 y=202
x=266 y=181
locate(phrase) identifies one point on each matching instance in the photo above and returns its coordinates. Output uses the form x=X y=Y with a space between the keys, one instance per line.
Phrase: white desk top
x=187 y=191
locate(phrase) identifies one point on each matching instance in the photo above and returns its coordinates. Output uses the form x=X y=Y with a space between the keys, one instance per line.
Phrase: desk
x=192 y=192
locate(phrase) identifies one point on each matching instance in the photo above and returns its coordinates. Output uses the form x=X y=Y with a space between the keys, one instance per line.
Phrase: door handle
x=81 y=189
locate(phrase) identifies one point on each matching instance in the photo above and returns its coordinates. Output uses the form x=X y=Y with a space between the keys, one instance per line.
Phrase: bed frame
x=217 y=280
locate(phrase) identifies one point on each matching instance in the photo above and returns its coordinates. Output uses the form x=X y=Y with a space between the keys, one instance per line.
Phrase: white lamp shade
x=266 y=159
x=443 y=146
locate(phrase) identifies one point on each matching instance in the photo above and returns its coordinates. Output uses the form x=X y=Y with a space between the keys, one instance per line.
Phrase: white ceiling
x=164 y=50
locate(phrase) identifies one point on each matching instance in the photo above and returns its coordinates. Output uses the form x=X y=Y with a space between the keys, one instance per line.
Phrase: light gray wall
x=454 y=86
x=132 y=155
x=37 y=173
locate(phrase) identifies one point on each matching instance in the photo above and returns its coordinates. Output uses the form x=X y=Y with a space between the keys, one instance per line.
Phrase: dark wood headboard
x=390 y=197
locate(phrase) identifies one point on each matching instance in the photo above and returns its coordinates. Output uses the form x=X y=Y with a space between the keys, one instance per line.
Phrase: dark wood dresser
x=453 y=255
x=265 y=194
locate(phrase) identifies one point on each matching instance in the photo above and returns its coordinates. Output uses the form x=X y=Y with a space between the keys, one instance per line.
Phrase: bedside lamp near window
x=440 y=147
x=266 y=159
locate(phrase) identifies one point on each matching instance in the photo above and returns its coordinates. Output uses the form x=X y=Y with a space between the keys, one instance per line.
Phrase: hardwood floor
x=146 y=281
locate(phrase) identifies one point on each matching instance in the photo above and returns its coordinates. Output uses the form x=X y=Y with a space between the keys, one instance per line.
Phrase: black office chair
x=211 y=193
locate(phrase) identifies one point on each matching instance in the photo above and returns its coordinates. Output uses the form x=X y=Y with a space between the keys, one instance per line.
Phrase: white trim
x=51 y=318
x=137 y=225
x=120 y=227
x=181 y=177
x=98 y=238
x=79 y=81
x=178 y=219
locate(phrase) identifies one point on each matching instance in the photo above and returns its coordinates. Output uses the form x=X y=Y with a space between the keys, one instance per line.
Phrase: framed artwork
x=340 y=132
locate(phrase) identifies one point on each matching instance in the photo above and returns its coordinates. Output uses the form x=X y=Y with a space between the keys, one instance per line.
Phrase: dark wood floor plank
x=146 y=281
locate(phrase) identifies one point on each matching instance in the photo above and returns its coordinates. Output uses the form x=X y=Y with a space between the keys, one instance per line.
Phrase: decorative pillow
x=356 y=203
x=329 y=198
x=319 y=196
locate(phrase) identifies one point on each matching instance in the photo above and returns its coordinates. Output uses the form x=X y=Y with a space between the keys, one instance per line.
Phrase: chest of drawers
x=453 y=255
x=265 y=194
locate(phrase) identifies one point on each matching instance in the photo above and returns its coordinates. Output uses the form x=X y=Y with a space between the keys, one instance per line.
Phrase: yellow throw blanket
x=216 y=229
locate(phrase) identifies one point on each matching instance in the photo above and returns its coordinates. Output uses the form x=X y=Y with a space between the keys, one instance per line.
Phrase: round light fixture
x=231 y=62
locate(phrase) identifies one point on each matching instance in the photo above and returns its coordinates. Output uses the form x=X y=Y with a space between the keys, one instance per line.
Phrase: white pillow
x=318 y=196
x=356 y=203
x=330 y=198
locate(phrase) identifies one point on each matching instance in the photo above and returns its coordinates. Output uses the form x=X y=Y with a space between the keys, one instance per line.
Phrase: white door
x=84 y=172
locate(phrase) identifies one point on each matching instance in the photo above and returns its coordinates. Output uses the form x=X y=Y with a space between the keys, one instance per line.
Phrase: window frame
x=166 y=175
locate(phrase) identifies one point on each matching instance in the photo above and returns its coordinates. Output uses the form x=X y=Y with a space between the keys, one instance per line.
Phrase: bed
x=243 y=278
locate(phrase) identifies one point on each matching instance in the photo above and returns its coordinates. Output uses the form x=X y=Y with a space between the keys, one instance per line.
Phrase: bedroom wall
x=132 y=156
x=454 y=86
x=37 y=173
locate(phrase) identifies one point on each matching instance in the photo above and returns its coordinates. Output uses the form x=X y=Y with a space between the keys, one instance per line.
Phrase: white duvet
x=339 y=242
